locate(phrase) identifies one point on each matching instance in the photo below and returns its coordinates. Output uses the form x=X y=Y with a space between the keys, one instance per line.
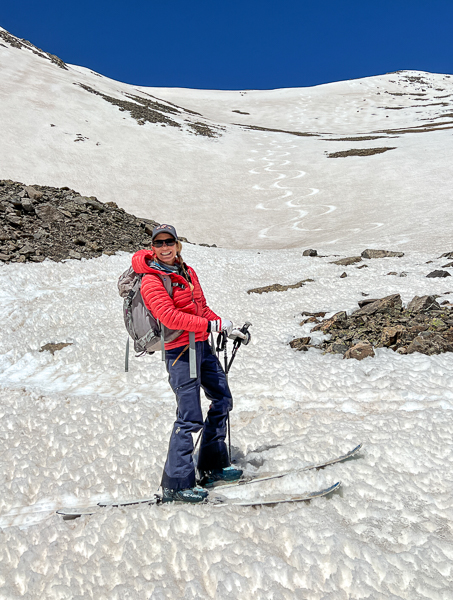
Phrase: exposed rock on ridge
x=16 y=42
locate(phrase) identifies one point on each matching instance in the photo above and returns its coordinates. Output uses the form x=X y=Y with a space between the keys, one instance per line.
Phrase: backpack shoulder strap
x=169 y=284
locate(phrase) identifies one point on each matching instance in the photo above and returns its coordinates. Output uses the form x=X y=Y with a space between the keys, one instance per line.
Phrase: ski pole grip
x=245 y=330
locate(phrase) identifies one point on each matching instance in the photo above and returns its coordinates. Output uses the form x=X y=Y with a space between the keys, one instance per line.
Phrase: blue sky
x=246 y=44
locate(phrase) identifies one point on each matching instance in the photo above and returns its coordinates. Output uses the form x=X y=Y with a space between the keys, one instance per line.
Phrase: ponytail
x=182 y=263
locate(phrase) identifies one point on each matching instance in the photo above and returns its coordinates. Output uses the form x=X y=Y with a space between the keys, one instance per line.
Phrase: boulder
x=337 y=348
x=439 y=273
x=429 y=342
x=27 y=250
x=300 y=343
x=381 y=254
x=343 y=275
x=360 y=351
x=13 y=219
x=310 y=252
x=4 y=257
x=384 y=305
x=335 y=322
x=421 y=303
x=347 y=261
x=48 y=213
x=391 y=335
x=363 y=303
x=27 y=205
x=32 y=193
x=93 y=202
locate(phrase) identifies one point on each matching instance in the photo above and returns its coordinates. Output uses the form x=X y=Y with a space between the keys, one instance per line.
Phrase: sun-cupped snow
x=77 y=430
x=364 y=161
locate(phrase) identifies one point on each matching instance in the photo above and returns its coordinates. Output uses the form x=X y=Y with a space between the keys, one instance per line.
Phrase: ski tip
x=334 y=487
x=355 y=450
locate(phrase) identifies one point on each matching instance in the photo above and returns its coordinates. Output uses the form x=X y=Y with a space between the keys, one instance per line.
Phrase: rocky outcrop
x=38 y=222
x=278 y=287
x=423 y=326
x=347 y=261
x=19 y=43
x=310 y=252
x=439 y=273
x=381 y=254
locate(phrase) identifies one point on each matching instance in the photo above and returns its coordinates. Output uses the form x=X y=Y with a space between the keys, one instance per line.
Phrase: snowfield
x=76 y=429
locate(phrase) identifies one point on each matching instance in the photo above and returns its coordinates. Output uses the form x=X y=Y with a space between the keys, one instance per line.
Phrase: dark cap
x=164 y=229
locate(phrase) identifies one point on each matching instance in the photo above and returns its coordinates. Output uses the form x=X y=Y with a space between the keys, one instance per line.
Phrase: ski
x=75 y=512
x=282 y=499
x=249 y=480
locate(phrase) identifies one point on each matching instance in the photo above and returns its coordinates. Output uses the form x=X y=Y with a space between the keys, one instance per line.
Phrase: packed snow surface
x=77 y=429
x=266 y=179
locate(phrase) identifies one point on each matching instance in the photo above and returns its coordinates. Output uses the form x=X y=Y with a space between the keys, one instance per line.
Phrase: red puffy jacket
x=186 y=310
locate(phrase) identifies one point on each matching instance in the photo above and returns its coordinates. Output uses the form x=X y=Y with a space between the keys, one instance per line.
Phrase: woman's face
x=166 y=254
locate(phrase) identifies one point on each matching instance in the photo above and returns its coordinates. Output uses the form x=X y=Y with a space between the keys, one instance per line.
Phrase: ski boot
x=219 y=476
x=190 y=495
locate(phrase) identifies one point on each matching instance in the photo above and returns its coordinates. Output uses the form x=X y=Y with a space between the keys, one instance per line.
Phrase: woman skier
x=186 y=310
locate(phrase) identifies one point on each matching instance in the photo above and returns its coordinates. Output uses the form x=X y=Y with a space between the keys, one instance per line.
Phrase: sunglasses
x=160 y=243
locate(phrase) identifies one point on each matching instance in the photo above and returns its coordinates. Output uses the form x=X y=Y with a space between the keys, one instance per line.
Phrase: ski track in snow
x=76 y=429
x=284 y=177
x=286 y=187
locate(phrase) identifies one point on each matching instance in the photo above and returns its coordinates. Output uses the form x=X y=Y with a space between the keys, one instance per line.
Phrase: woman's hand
x=220 y=325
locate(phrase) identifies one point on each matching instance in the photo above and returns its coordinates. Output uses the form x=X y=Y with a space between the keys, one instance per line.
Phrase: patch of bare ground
x=444 y=116
x=152 y=111
x=356 y=139
x=418 y=129
x=358 y=152
x=205 y=130
x=406 y=93
x=191 y=112
x=416 y=79
x=431 y=104
x=257 y=128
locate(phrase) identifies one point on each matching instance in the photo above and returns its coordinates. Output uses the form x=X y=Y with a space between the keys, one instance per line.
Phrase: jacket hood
x=140 y=261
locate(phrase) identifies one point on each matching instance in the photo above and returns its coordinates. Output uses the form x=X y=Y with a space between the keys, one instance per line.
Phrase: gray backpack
x=145 y=330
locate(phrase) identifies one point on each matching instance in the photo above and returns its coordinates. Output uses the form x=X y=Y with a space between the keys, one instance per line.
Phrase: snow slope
x=267 y=189
x=76 y=429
